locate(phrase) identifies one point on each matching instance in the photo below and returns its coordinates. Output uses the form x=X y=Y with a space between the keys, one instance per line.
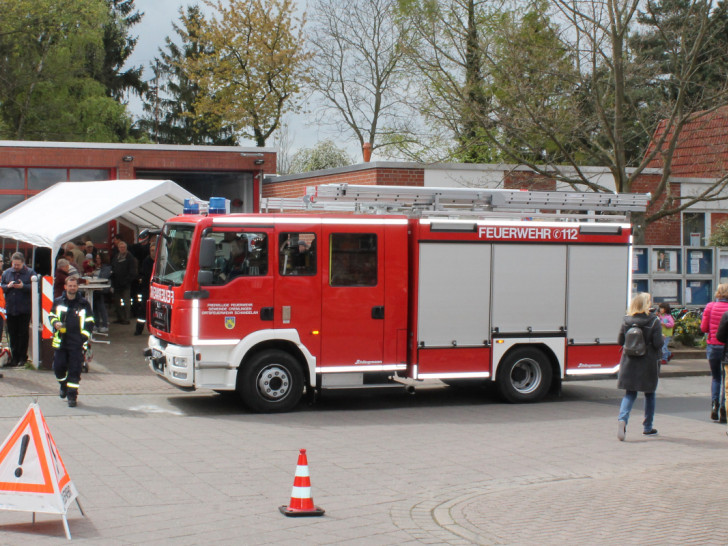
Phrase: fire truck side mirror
x=204 y=277
x=207 y=253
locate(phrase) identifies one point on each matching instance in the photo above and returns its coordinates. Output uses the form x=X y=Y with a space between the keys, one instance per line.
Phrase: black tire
x=524 y=376
x=271 y=382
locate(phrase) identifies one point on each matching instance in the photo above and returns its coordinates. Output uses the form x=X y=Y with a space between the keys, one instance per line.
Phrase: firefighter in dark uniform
x=72 y=320
x=145 y=277
x=140 y=285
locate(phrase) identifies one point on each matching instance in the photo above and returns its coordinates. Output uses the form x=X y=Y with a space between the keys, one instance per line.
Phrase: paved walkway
x=155 y=465
x=117 y=368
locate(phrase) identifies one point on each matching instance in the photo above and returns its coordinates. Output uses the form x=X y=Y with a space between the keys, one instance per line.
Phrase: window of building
x=297 y=253
x=8 y=201
x=88 y=175
x=694 y=229
x=12 y=179
x=41 y=179
x=353 y=259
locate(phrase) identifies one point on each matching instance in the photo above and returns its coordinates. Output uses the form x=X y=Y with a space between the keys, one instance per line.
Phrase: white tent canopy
x=68 y=210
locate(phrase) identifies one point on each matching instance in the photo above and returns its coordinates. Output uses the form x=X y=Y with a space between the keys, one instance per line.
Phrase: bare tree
x=449 y=41
x=282 y=139
x=562 y=86
x=357 y=70
x=607 y=104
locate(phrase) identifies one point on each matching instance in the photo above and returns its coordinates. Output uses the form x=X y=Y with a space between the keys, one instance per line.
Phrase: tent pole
x=35 y=301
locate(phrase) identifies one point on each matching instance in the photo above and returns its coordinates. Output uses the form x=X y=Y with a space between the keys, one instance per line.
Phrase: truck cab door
x=352 y=324
x=240 y=299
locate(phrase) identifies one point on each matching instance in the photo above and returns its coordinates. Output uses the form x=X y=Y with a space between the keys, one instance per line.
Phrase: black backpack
x=634 y=341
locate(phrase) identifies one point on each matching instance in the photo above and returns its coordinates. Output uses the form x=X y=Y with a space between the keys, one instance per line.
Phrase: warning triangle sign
x=33 y=477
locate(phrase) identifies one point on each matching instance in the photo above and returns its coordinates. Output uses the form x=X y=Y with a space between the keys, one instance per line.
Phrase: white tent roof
x=68 y=210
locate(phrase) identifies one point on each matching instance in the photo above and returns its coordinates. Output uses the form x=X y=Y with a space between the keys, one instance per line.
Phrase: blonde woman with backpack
x=639 y=367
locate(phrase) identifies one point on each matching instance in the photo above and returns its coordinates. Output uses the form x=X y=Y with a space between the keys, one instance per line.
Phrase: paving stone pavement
x=154 y=465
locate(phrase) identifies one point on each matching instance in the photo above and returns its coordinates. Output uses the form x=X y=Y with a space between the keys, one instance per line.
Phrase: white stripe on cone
x=301 y=492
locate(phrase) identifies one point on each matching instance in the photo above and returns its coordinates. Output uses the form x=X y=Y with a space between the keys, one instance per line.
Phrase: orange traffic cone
x=301 y=499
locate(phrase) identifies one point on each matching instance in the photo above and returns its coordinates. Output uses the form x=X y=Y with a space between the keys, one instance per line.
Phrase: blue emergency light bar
x=219 y=205
x=216 y=205
x=191 y=206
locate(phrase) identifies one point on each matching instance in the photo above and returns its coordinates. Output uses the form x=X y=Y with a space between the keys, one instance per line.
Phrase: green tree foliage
x=719 y=235
x=170 y=102
x=325 y=155
x=447 y=46
x=668 y=29
x=668 y=71
x=252 y=67
x=46 y=90
x=563 y=84
x=532 y=76
x=118 y=46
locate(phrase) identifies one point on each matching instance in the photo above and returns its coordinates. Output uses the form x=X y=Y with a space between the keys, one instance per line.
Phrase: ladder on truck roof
x=459 y=201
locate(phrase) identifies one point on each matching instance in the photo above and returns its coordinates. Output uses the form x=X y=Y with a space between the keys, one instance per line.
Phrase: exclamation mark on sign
x=23 y=449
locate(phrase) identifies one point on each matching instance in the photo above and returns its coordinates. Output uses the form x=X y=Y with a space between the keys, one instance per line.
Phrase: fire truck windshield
x=173 y=253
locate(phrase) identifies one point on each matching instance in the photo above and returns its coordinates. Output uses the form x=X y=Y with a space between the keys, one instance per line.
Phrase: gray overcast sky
x=157 y=24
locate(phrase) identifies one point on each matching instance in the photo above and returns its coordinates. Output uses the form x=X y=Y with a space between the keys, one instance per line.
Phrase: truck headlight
x=179 y=361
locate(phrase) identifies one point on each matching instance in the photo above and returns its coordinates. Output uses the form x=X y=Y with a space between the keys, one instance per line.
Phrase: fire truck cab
x=273 y=305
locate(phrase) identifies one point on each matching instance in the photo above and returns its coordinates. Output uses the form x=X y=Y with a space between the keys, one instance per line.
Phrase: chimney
x=366 y=151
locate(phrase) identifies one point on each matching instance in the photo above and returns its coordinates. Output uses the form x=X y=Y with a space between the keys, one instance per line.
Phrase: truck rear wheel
x=524 y=375
x=271 y=382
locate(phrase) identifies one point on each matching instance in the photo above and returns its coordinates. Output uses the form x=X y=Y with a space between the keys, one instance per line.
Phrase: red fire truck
x=525 y=289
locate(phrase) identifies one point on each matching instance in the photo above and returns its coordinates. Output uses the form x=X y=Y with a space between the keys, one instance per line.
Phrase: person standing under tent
x=16 y=284
x=102 y=272
x=145 y=277
x=124 y=274
x=3 y=315
x=63 y=270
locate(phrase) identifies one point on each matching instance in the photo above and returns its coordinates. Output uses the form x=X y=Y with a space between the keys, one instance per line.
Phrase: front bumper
x=175 y=363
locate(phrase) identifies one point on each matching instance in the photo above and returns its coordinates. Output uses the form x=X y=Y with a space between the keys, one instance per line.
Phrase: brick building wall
x=125 y=161
x=371 y=174
x=665 y=231
x=525 y=180
x=147 y=157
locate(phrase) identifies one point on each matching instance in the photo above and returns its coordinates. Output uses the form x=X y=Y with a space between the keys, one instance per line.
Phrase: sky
x=157 y=24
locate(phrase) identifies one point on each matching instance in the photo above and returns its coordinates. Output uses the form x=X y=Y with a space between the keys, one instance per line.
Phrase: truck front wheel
x=271 y=382
x=524 y=375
